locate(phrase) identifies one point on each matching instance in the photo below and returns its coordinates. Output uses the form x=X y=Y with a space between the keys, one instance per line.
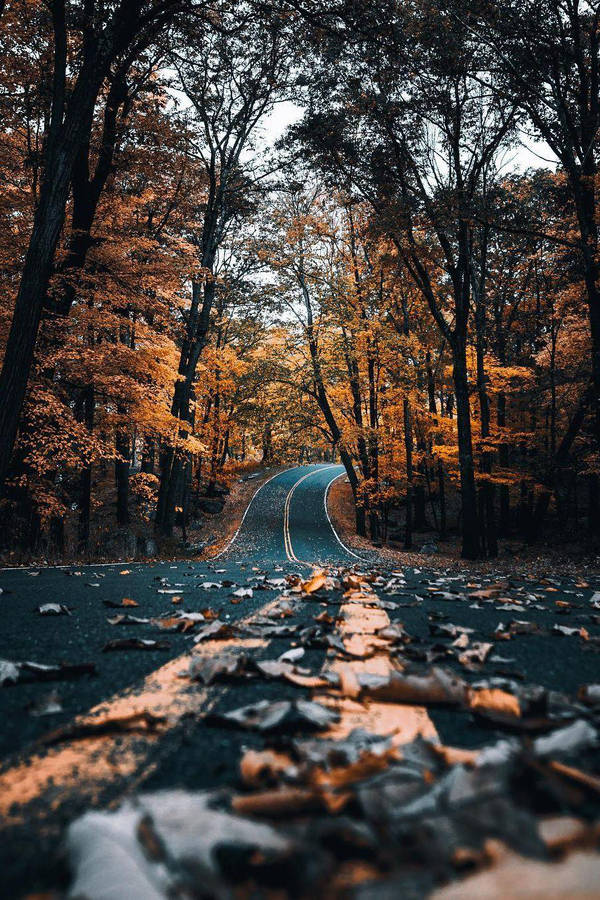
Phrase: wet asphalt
x=199 y=756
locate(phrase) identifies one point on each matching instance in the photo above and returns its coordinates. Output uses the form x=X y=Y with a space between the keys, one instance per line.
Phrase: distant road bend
x=287 y=521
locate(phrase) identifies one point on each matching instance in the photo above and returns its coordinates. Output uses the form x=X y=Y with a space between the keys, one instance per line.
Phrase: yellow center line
x=85 y=767
x=287 y=538
x=361 y=622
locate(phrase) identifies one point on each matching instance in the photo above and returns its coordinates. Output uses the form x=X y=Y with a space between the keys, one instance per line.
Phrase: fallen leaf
x=281 y=802
x=314 y=584
x=208 y=669
x=438 y=686
x=126 y=619
x=216 y=629
x=261 y=767
x=279 y=715
x=292 y=655
x=494 y=699
x=11 y=672
x=134 y=644
x=590 y=694
x=53 y=609
x=475 y=655
x=174 y=623
x=104 y=849
x=137 y=721
x=583 y=778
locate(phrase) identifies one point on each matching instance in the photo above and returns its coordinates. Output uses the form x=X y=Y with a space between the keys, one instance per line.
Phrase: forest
x=238 y=234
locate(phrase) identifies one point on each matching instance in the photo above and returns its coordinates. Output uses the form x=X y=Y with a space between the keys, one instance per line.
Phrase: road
x=286 y=529
x=287 y=521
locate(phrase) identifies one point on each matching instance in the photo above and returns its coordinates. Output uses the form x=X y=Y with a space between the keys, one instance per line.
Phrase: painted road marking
x=85 y=767
x=287 y=539
x=337 y=537
x=251 y=501
x=361 y=620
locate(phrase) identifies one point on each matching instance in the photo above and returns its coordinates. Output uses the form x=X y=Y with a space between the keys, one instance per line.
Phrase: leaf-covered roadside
x=343 y=791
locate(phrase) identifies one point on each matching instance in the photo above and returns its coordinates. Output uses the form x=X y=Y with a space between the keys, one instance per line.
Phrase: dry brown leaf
x=584 y=778
x=314 y=584
x=127 y=601
x=324 y=617
x=173 y=623
x=494 y=699
x=352 y=582
x=137 y=721
x=455 y=756
x=350 y=874
x=343 y=776
x=260 y=766
x=307 y=681
x=282 y=802
x=437 y=686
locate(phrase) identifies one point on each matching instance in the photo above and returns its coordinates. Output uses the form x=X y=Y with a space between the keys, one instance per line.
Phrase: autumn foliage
x=395 y=284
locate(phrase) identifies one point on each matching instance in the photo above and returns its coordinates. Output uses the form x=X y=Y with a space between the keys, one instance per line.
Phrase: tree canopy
x=406 y=280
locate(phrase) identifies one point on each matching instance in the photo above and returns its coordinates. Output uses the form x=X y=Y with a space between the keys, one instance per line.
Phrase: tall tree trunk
x=487 y=512
x=442 y=495
x=470 y=520
x=408 y=446
x=86 y=414
x=171 y=466
x=503 y=457
x=551 y=480
x=583 y=182
x=122 y=476
x=430 y=383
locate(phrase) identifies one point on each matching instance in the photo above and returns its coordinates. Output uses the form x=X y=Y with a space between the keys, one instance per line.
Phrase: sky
x=530 y=154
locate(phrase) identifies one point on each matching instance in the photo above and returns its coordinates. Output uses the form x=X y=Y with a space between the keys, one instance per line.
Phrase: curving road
x=287 y=521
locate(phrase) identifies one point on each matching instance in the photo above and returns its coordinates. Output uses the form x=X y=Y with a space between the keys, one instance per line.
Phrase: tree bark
x=468 y=494
x=122 y=476
x=408 y=446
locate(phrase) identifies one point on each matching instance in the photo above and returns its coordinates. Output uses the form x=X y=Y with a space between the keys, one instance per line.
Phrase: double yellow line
x=287 y=538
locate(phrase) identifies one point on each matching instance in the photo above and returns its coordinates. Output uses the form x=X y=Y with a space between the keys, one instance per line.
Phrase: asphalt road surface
x=286 y=529
x=286 y=521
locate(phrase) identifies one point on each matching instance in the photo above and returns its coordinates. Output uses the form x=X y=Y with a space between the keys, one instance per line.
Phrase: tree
x=546 y=57
x=231 y=85
x=408 y=125
x=87 y=41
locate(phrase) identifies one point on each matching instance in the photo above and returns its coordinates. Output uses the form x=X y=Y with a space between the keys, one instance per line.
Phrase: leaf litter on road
x=406 y=818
